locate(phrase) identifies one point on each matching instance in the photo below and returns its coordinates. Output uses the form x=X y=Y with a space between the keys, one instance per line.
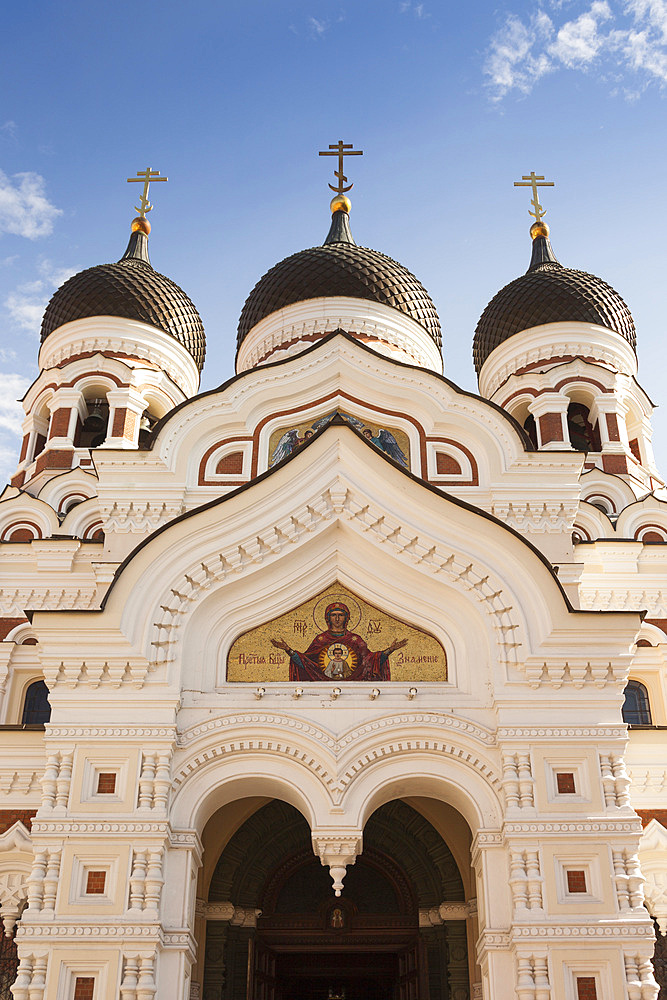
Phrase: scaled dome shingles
x=131 y=289
x=550 y=293
x=340 y=269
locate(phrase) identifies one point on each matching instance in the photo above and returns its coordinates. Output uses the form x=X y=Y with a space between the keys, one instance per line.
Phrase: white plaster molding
x=290 y=330
x=555 y=340
x=121 y=336
x=653 y=860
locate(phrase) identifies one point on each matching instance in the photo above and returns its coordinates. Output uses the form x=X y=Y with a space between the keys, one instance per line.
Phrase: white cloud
x=629 y=36
x=578 y=42
x=12 y=388
x=26 y=304
x=24 y=208
x=514 y=60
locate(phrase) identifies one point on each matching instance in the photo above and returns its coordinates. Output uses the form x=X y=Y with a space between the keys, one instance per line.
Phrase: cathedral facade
x=337 y=680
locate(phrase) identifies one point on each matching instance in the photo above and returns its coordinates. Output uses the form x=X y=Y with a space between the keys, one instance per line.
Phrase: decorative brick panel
x=95 y=883
x=586 y=988
x=634 y=448
x=18 y=480
x=24 y=447
x=612 y=427
x=59 y=423
x=565 y=783
x=10 y=816
x=7 y=624
x=576 y=881
x=446 y=465
x=84 y=987
x=617 y=465
x=551 y=427
x=55 y=458
x=646 y=815
x=124 y=423
x=231 y=465
x=106 y=783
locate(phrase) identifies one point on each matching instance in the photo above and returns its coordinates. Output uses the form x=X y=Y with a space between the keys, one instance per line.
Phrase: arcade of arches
x=287 y=936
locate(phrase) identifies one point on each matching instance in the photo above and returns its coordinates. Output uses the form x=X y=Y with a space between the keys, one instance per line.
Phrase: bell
x=145 y=423
x=95 y=421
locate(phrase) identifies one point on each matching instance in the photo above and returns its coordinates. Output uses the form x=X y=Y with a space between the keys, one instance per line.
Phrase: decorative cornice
x=561 y=732
x=609 y=827
x=110 y=732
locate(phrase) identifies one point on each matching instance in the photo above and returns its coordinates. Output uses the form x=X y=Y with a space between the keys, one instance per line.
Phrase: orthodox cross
x=533 y=180
x=341 y=149
x=146 y=176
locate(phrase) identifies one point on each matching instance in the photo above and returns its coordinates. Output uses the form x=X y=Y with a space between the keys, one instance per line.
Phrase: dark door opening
x=356 y=976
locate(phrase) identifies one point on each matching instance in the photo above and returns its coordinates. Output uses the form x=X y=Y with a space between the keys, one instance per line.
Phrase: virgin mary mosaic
x=336 y=636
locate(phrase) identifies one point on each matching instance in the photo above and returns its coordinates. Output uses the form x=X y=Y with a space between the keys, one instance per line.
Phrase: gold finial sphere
x=340 y=204
x=140 y=225
x=539 y=229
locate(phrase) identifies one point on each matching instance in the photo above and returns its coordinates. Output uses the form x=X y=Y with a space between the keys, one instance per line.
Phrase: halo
x=338 y=645
x=331 y=598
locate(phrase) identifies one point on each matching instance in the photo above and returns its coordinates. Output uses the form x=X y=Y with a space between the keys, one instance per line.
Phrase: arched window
x=36 y=708
x=636 y=707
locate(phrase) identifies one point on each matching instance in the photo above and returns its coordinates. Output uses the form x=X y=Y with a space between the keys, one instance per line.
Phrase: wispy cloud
x=26 y=304
x=8 y=130
x=630 y=36
x=418 y=10
x=24 y=208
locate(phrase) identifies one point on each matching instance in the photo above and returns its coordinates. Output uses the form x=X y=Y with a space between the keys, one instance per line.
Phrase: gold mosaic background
x=400 y=436
x=253 y=659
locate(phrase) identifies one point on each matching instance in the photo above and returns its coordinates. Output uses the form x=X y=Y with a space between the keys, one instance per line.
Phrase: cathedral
x=336 y=682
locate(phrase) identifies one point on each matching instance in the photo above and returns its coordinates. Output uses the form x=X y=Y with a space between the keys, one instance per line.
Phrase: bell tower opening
x=276 y=931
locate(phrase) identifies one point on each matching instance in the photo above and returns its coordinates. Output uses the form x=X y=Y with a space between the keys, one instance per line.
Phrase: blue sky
x=232 y=100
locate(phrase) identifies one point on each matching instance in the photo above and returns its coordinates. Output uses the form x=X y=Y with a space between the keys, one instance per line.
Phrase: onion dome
x=549 y=293
x=130 y=289
x=340 y=268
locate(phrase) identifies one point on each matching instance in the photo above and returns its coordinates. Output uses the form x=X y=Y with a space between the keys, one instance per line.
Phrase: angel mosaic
x=384 y=439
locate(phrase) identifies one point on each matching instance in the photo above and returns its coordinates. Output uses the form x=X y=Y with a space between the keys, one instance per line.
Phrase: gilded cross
x=146 y=176
x=341 y=149
x=533 y=180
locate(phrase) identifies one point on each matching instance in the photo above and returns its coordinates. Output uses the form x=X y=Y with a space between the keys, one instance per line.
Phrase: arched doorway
x=286 y=936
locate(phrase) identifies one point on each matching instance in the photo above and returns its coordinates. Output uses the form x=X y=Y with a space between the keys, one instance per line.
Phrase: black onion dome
x=131 y=289
x=340 y=268
x=549 y=293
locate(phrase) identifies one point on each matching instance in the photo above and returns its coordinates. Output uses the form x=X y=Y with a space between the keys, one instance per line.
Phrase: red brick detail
x=10 y=816
x=612 y=427
x=18 y=480
x=652 y=536
x=576 y=881
x=95 y=883
x=565 y=783
x=646 y=815
x=98 y=536
x=24 y=447
x=124 y=423
x=84 y=987
x=59 y=423
x=7 y=624
x=644 y=642
x=446 y=465
x=25 y=532
x=106 y=783
x=230 y=465
x=634 y=448
x=19 y=535
x=551 y=427
x=616 y=464
x=55 y=458
x=585 y=988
